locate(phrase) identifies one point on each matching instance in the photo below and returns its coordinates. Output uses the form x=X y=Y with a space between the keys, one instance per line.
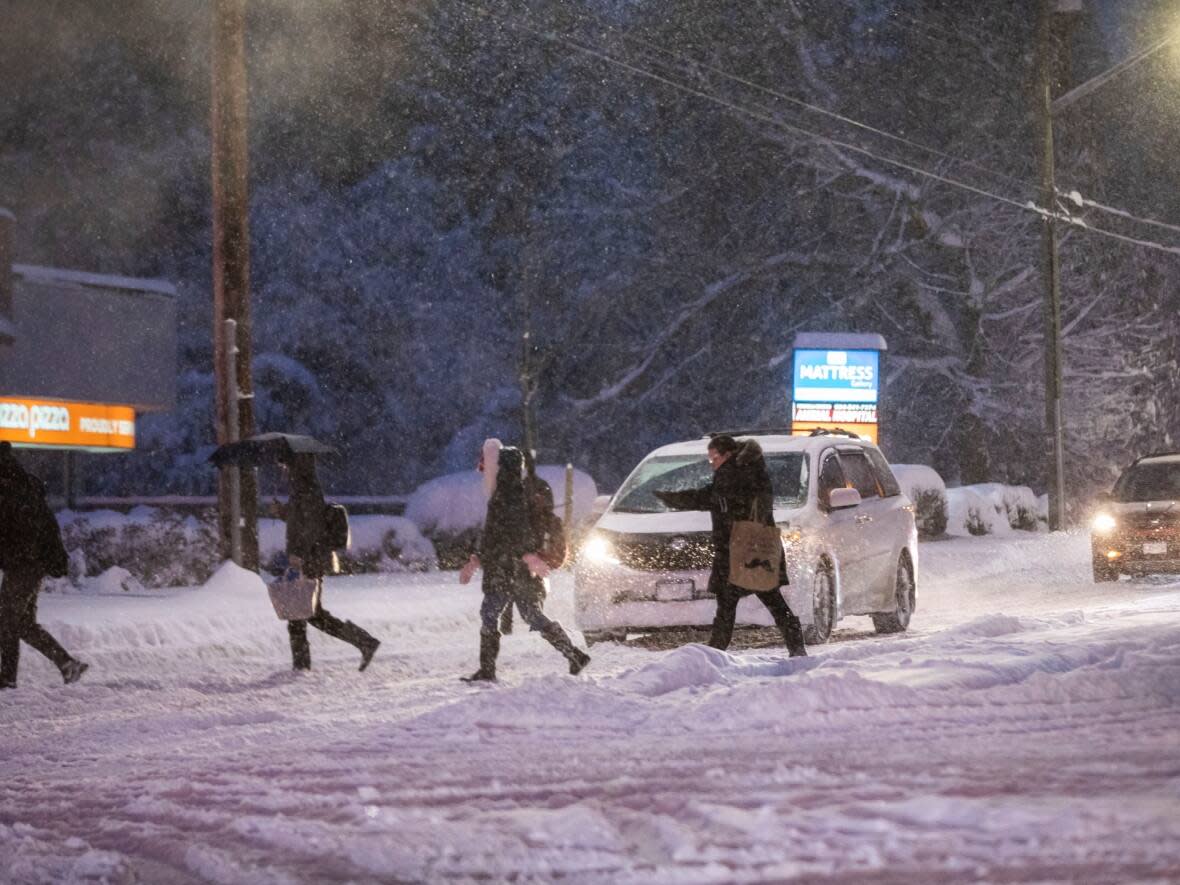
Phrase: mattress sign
x=65 y=425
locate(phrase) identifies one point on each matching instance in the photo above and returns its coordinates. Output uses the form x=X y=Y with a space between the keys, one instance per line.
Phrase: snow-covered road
x=1025 y=729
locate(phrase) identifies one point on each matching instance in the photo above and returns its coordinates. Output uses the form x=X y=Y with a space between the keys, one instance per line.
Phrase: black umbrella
x=268 y=448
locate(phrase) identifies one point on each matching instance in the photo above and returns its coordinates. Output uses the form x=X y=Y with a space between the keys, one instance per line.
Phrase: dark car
x=1137 y=529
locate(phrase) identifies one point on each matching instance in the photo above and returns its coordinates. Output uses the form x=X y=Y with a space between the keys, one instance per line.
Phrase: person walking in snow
x=740 y=486
x=31 y=549
x=307 y=550
x=514 y=571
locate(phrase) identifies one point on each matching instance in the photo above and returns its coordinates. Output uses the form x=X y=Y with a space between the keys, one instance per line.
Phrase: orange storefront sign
x=60 y=425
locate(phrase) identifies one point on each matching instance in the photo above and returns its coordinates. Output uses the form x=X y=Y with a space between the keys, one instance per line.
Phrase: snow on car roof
x=1169 y=458
x=769 y=442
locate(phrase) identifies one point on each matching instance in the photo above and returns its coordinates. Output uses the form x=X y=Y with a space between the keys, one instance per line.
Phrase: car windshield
x=678 y=473
x=1150 y=482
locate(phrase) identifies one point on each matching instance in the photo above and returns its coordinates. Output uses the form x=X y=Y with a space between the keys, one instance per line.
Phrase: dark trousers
x=18 y=621
x=497 y=598
x=497 y=601
x=727 y=603
x=325 y=622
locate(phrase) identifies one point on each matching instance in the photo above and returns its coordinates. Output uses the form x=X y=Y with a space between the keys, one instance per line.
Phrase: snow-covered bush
x=925 y=488
x=993 y=508
x=160 y=548
x=450 y=510
x=156 y=547
x=378 y=543
x=930 y=512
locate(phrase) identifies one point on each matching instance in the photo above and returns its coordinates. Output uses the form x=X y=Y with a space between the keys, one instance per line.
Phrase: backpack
x=546 y=524
x=336 y=533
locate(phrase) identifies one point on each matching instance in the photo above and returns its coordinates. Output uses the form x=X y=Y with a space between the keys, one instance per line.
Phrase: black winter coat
x=306 y=531
x=737 y=486
x=30 y=538
x=508 y=533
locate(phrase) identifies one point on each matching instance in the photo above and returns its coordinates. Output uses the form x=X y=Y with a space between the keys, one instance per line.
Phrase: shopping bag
x=755 y=554
x=294 y=597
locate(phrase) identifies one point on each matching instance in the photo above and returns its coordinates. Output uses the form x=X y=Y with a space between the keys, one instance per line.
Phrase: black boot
x=9 y=659
x=792 y=632
x=558 y=638
x=347 y=631
x=368 y=649
x=72 y=670
x=366 y=642
x=489 y=650
x=300 y=649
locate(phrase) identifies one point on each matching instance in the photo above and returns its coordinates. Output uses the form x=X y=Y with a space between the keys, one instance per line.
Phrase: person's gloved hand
x=468 y=571
x=538 y=568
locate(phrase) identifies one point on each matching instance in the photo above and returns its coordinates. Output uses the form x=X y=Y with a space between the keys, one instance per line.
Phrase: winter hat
x=491 y=462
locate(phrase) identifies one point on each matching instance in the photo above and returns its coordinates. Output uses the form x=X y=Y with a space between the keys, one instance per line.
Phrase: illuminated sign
x=836 y=413
x=836 y=376
x=61 y=425
x=836 y=387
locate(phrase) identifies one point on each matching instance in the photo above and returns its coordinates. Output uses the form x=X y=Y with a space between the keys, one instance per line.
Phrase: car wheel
x=1103 y=572
x=823 y=606
x=905 y=599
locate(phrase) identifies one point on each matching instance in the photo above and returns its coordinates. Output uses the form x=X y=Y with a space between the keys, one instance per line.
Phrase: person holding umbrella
x=308 y=547
x=307 y=550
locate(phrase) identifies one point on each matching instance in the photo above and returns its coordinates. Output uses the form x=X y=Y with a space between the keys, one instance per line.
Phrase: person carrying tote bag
x=740 y=494
x=309 y=550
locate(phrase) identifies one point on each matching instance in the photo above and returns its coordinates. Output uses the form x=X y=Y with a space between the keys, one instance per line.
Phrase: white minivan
x=848 y=532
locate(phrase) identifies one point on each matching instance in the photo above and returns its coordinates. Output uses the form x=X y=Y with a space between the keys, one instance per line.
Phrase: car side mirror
x=599 y=506
x=839 y=499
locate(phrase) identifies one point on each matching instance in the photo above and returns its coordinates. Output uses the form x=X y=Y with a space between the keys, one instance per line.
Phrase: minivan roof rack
x=759 y=431
x=833 y=431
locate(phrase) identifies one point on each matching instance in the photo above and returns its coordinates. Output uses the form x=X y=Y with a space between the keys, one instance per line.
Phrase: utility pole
x=1054 y=442
x=231 y=271
x=530 y=367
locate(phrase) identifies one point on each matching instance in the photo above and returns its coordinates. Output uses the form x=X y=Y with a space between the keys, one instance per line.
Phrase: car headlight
x=1104 y=524
x=598 y=549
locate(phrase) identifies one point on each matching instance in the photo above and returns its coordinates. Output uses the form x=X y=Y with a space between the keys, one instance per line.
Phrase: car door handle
x=862 y=518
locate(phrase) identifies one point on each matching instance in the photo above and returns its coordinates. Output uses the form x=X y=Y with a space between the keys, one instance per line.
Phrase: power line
x=1078 y=199
x=1029 y=205
x=832 y=114
x=1122 y=213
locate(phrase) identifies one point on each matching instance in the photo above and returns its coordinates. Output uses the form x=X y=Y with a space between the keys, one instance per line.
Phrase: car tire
x=823 y=605
x=1103 y=573
x=905 y=599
